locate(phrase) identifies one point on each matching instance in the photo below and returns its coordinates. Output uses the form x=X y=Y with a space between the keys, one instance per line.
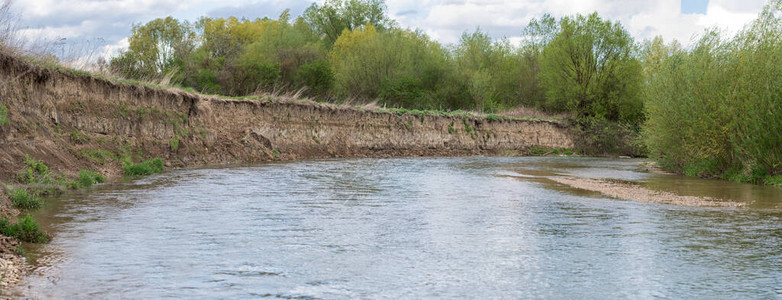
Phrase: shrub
x=144 y=168
x=318 y=76
x=26 y=230
x=35 y=172
x=88 y=178
x=22 y=199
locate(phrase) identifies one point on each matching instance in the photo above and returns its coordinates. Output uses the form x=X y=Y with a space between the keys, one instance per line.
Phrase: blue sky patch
x=694 y=6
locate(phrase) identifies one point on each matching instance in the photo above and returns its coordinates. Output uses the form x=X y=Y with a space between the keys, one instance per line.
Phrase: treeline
x=716 y=109
x=351 y=49
x=710 y=110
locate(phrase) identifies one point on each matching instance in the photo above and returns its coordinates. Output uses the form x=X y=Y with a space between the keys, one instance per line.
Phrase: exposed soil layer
x=74 y=121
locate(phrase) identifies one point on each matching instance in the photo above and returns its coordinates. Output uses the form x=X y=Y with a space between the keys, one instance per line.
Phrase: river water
x=469 y=227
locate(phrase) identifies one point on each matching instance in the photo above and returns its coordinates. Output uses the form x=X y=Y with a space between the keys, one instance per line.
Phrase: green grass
x=23 y=199
x=4 y=115
x=36 y=172
x=87 y=178
x=26 y=230
x=148 y=167
x=99 y=156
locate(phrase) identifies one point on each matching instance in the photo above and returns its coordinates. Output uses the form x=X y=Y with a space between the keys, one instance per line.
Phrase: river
x=465 y=227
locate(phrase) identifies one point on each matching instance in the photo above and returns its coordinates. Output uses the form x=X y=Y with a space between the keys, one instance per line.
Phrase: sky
x=107 y=23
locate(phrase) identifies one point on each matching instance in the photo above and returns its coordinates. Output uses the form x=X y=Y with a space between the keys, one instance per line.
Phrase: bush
x=144 y=168
x=714 y=110
x=87 y=178
x=317 y=76
x=36 y=172
x=22 y=199
x=26 y=230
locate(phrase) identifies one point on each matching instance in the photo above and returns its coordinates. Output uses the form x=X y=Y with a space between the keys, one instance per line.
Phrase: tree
x=160 y=45
x=589 y=69
x=336 y=16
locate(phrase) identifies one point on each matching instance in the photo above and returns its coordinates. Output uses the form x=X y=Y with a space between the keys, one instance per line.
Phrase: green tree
x=589 y=68
x=157 y=48
x=335 y=16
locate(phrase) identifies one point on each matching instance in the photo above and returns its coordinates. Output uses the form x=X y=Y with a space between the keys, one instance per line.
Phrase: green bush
x=26 y=229
x=23 y=199
x=317 y=76
x=87 y=178
x=144 y=168
x=3 y=115
x=35 y=172
x=714 y=110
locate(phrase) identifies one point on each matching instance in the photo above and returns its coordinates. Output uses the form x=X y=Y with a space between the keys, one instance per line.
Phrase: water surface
x=470 y=227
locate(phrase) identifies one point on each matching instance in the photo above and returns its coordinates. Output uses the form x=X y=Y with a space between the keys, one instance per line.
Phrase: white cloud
x=447 y=20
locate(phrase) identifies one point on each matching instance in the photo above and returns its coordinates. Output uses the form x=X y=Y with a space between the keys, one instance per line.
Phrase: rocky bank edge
x=72 y=121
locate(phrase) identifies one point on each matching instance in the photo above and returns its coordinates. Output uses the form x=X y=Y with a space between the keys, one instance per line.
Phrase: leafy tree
x=589 y=69
x=157 y=48
x=335 y=16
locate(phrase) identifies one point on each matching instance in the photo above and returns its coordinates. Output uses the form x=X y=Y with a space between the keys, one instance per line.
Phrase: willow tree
x=589 y=69
x=335 y=16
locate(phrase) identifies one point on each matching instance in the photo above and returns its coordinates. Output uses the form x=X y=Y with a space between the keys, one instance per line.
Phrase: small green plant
x=492 y=117
x=467 y=127
x=4 y=115
x=174 y=143
x=26 y=230
x=87 y=178
x=275 y=153
x=23 y=199
x=35 y=172
x=451 y=130
x=144 y=168
x=79 y=138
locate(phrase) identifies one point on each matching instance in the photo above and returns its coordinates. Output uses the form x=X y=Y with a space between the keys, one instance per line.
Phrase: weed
x=35 y=172
x=79 y=138
x=26 y=230
x=4 y=115
x=148 y=167
x=87 y=178
x=22 y=199
x=275 y=153
x=174 y=143
x=451 y=130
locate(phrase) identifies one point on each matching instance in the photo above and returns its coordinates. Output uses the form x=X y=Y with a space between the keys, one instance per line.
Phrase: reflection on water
x=407 y=228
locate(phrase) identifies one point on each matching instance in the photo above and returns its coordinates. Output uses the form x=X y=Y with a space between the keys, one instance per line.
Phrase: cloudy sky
x=445 y=20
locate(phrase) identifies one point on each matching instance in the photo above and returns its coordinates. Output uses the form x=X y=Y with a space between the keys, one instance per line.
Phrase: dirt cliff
x=72 y=121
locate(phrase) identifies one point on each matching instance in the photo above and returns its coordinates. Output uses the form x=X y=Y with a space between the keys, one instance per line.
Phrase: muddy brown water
x=470 y=227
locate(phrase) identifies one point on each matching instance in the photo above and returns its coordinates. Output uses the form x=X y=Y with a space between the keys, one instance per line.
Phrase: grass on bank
x=148 y=167
x=4 y=115
x=25 y=229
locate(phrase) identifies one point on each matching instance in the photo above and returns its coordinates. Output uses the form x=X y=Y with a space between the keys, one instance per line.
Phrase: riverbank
x=74 y=121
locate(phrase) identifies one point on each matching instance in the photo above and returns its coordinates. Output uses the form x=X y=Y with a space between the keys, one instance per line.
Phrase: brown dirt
x=75 y=121
x=627 y=191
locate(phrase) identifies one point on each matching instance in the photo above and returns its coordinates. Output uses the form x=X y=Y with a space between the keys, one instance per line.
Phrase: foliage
x=22 y=199
x=332 y=18
x=144 y=168
x=3 y=115
x=714 y=110
x=589 y=68
x=35 y=172
x=26 y=229
x=87 y=178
